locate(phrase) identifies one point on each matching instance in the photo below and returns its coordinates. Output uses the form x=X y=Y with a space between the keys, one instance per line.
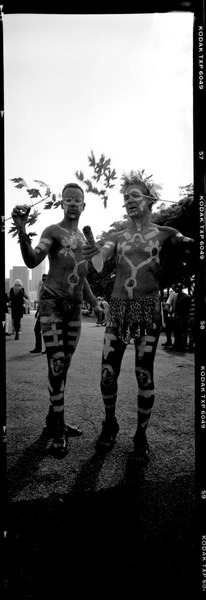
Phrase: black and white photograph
x=100 y=305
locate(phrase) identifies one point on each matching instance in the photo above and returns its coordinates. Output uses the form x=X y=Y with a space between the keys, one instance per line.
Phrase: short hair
x=18 y=282
x=138 y=178
x=73 y=185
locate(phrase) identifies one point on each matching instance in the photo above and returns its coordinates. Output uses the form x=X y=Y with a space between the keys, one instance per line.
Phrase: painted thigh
x=72 y=331
x=145 y=350
x=113 y=351
x=52 y=331
x=61 y=333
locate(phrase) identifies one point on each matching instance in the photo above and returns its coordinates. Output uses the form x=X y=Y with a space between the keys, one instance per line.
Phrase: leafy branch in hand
x=51 y=201
x=103 y=175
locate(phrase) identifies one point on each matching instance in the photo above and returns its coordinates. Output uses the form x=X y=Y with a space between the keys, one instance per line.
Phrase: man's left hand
x=99 y=313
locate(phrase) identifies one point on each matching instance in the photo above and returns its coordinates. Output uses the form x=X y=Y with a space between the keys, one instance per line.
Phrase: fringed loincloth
x=134 y=317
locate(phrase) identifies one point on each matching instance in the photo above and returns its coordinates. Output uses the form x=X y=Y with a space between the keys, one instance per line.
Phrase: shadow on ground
x=89 y=543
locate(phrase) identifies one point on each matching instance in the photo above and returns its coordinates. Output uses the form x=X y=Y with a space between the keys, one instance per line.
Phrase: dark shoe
x=70 y=430
x=7 y=333
x=107 y=436
x=16 y=337
x=141 y=447
x=59 y=447
x=190 y=349
x=44 y=352
x=73 y=430
x=35 y=351
x=166 y=344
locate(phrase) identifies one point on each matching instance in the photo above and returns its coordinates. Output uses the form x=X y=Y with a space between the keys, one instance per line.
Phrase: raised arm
x=31 y=256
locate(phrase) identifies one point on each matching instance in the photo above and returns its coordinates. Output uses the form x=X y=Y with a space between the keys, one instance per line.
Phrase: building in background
x=30 y=279
x=7 y=285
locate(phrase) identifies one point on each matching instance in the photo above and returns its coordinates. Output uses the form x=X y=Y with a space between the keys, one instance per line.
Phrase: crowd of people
x=179 y=319
x=134 y=310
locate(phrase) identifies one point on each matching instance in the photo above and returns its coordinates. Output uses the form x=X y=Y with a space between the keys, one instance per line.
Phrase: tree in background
x=180 y=215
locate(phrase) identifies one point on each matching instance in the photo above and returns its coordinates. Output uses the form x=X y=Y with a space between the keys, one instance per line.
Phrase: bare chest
x=139 y=248
x=67 y=246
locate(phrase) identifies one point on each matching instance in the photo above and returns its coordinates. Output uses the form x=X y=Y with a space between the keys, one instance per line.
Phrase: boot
x=59 y=447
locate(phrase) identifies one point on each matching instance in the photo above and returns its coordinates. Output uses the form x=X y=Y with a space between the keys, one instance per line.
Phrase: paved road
x=92 y=517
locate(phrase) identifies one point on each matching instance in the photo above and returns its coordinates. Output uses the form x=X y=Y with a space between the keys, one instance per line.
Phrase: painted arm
x=89 y=296
x=31 y=256
x=99 y=256
x=178 y=239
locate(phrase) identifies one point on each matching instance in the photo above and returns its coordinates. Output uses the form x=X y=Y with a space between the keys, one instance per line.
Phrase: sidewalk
x=89 y=514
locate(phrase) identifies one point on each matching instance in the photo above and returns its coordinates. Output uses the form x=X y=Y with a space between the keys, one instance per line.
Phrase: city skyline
x=29 y=277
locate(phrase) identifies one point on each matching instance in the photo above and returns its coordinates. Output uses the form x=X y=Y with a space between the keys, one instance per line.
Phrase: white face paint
x=142 y=205
x=135 y=202
x=72 y=202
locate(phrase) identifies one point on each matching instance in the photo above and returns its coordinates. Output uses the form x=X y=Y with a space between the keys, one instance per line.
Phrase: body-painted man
x=60 y=299
x=135 y=306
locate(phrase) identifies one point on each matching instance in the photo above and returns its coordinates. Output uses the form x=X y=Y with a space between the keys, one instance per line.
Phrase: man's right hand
x=20 y=215
x=89 y=250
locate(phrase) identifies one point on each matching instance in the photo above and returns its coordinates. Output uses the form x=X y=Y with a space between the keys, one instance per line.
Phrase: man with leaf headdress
x=135 y=305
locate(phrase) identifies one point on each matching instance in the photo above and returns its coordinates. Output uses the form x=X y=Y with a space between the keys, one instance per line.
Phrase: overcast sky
x=120 y=85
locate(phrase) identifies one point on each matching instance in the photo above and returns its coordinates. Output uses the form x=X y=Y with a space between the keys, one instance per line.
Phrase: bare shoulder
x=169 y=233
x=50 y=232
x=125 y=233
x=112 y=238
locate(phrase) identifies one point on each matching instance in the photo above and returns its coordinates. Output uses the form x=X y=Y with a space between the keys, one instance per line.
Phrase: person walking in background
x=135 y=304
x=61 y=297
x=37 y=328
x=7 y=316
x=181 y=315
x=17 y=295
x=168 y=317
x=191 y=322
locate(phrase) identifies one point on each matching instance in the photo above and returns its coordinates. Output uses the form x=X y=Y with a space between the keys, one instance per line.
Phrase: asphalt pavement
x=96 y=524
